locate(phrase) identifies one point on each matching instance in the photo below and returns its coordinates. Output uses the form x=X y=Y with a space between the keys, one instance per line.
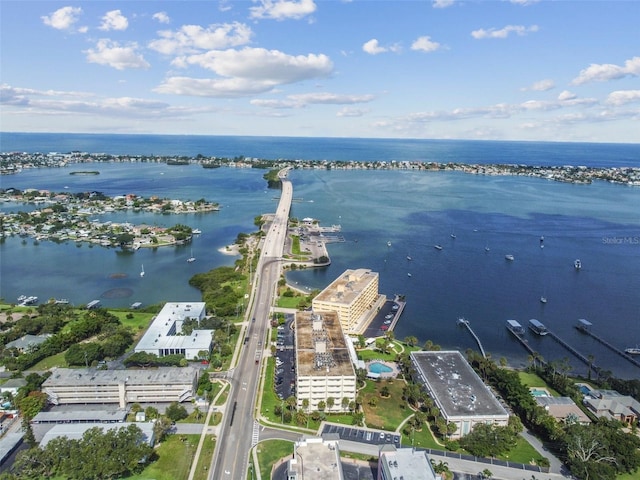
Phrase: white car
x=388 y=316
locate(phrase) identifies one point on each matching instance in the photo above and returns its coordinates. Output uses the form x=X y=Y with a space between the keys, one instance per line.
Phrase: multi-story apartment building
x=163 y=337
x=324 y=370
x=354 y=296
x=83 y=386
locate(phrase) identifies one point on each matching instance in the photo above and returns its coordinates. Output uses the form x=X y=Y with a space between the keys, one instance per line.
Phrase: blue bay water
x=413 y=210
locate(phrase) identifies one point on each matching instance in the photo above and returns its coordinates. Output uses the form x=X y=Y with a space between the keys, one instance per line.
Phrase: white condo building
x=354 y=296
x=163 y=337
x=324 y=369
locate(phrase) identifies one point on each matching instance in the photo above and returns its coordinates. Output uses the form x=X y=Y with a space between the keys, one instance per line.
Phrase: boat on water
x=577 y=264
x=409 y=257
x=438 y=247
x=408 y=275
x=543 y=299
x=196 y=231
x=389 y=243
x=453 y=235
x=632 y=351
x=462 y=321
x=191 y=259
x=487 y=249
x=515 y=327
x=142 y=271
x=537 y=327
x=509 y=257
x=23 y=300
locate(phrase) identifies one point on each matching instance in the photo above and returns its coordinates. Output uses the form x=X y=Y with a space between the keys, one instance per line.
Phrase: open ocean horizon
x=598 y=223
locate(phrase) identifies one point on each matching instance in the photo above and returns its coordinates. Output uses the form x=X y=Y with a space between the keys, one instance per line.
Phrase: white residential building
x=354 y=296
x=324 y=369
x=163 y=337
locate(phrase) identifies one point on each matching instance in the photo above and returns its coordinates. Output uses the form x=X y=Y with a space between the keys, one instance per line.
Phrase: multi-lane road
x=230 y=460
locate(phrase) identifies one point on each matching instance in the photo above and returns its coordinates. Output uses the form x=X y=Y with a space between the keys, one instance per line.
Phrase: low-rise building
x=458 y=392
x=12 y=386
x=315 y=459
x=75 y=431
x=85 y=386
x=563 y=409
x=354 y=296
x=405 y=463
x=323 y=364
x=27 y=342
x=164 y=335
x=613 y=405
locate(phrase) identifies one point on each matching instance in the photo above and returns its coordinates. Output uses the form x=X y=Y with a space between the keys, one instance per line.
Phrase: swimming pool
x=377 y=367
x=536 y=392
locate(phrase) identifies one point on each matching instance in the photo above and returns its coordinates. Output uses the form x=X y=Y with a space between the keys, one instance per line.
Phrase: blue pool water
x=377 y=367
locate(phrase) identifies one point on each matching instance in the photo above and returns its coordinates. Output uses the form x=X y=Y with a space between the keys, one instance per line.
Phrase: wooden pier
x=465 y=323
x=575 y=352
x=584 y=326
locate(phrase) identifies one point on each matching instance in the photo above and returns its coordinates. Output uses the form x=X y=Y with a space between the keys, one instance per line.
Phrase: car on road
x=384 y=327
x=387 y=322
x=388 y=316
x=381 y=436
x=395 y=307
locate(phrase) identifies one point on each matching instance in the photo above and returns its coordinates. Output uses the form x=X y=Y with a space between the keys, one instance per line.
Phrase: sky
x=445 y=69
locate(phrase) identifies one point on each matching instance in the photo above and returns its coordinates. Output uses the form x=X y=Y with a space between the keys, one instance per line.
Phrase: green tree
x=176 y=412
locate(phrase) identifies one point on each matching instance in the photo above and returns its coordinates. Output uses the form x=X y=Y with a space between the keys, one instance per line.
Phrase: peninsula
x=65 y=216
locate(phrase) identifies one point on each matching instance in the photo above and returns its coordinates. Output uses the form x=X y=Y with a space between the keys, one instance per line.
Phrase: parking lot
x=284 y=377
x=383 y=320
x=363 y=435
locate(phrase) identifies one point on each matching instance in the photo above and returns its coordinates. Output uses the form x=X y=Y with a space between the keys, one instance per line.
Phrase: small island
x=85 y=172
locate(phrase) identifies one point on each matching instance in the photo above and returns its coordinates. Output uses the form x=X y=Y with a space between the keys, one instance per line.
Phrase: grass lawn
x=388 y=413
x=56 y=360
x=204 y=461
x=523 y=452
x=140 y=320
x=223 y=398
x=423 y=439
x=269 y=452
x=174 y=459
x=369 y=354
x=532 y=380
x=289 y=302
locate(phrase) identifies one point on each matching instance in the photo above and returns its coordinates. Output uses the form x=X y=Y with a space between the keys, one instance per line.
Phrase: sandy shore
x=230 y=250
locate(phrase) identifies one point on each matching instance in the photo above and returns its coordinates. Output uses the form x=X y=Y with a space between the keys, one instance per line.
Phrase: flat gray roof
x=81 y=416
x=74 y=431
x=459 y=390
x=92 y=376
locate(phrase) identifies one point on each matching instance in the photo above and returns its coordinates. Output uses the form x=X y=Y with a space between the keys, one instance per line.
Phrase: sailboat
x=191 y=258
x=142 y=271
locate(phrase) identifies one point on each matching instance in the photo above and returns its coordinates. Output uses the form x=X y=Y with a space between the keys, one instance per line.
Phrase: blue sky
x=500 y=70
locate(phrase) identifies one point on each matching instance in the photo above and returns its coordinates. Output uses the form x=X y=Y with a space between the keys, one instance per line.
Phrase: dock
x=575 y=352
x=584 y=326
x=465 y=323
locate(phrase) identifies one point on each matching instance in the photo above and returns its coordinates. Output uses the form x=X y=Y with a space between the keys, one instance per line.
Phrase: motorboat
x=438 y=247
x=509 y=257
x=577 y=264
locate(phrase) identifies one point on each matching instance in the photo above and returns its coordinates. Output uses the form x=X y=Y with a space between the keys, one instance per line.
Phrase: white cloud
x=373 y=47
x=113 y=55
x=442 y=3
x=425 y=44
x=63 y=18
x=247 y=72
x=351 y=112
x=541 y=86
x=283 y=9
x=114 y=20
x=213 y=87
x=192 y=38
x=161 y=17
x=503 y=32
x=607 y=71
x=304 y=99
x=622 y=97
x=524 y=2
x=271 y=66
x=566 y=95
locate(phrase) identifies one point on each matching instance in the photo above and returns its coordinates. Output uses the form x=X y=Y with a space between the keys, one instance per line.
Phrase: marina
x=514 y=327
